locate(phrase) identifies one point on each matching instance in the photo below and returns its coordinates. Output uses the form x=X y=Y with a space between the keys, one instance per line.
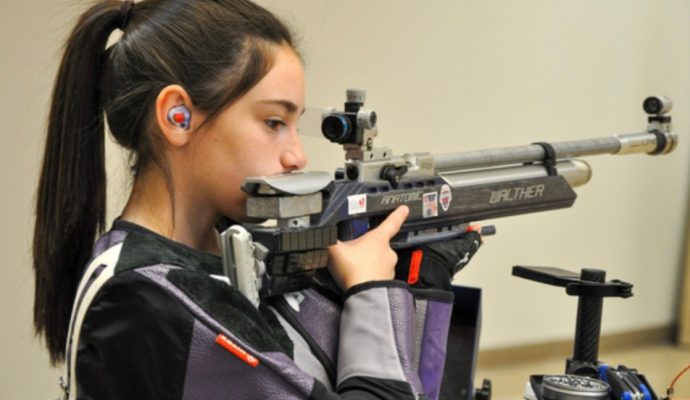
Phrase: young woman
x=204 y=93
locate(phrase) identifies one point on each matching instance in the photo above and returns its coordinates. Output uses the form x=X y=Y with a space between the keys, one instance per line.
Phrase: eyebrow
x=289 y=106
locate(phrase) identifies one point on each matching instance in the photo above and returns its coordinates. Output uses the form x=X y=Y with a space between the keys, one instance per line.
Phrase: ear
x=170 y=97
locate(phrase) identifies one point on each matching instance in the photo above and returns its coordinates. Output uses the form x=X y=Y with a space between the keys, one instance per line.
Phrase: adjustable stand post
x=590 y=287
x=587 y=328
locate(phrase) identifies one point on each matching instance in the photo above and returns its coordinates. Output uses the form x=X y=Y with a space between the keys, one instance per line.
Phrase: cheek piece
x=180 y=116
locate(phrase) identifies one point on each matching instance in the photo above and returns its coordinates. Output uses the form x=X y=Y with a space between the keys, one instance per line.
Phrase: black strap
x=549 y=161
x=660 y=141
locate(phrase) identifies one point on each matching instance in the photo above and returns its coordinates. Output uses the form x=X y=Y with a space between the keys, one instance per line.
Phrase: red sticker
x=239 y=352
x=415 y=263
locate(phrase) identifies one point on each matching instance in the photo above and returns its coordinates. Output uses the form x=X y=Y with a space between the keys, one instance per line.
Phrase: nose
x=293 y=158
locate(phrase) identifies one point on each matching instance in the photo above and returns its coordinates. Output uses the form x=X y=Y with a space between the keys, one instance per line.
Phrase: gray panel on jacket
x=367 y=339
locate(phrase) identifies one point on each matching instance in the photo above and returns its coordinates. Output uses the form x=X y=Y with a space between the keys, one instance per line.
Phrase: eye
x=275 y=124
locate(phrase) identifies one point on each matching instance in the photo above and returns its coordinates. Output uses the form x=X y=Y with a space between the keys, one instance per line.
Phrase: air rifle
x=444 y=192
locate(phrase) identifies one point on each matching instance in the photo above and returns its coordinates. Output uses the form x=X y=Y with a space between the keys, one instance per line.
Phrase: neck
x=176 y=217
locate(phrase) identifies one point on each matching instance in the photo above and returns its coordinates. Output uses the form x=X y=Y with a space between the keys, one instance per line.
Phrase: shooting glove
x=433 y=266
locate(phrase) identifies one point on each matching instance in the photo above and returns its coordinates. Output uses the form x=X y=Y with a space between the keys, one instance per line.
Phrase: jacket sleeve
x=377 y=343
x=393 y=341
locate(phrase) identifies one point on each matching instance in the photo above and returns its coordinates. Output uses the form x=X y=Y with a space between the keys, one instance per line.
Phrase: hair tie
x=125 y=12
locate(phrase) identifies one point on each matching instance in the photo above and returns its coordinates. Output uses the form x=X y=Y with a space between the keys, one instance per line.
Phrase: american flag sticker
x=430 y=205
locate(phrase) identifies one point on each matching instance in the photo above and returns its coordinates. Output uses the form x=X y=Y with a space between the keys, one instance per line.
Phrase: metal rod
x=644 y=142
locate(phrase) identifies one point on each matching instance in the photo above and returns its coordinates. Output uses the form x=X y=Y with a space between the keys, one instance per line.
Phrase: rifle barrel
x=644 y=142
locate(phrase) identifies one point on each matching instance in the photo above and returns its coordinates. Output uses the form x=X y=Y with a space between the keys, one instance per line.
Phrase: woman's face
x=257 y=135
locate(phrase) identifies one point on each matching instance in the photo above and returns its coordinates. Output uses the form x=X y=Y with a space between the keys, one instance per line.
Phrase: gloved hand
x=434 y=265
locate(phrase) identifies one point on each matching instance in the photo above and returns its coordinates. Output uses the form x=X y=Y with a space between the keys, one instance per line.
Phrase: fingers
x=391 y=225
x=369 y=257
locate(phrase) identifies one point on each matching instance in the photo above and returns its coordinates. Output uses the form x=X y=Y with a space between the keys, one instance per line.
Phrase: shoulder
x=134 y=296
x=132 y=327
x=174 y=298
x=153 y=332
x=167 y=281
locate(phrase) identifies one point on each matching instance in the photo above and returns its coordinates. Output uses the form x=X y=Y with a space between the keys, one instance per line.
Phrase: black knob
x=392 y=174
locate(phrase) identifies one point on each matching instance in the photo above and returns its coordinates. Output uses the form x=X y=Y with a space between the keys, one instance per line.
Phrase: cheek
x=232 y=160
x=226 y=193
x=216 y=178
x=258 y=157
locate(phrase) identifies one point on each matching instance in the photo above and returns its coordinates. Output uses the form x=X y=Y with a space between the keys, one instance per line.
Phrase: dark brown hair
x=215 y=49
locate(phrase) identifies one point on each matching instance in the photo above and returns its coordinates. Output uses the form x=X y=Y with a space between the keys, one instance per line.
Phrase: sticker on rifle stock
x=446 y=197
x=430 y=205
x=356 y=204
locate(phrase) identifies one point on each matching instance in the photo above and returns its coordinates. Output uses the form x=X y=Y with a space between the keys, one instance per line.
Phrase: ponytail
x=71 y=197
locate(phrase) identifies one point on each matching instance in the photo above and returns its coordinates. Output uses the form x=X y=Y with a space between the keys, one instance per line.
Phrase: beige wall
x=444 y=76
